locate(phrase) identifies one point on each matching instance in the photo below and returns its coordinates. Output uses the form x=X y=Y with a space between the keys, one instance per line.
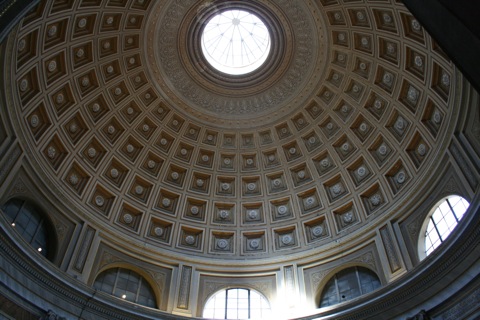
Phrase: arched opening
x=32 y=224
x=237 y=303
x=439 y=224
x=348 y=284
x=126 y=284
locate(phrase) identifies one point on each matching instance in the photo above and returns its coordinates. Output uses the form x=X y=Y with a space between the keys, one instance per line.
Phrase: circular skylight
x=235 y=42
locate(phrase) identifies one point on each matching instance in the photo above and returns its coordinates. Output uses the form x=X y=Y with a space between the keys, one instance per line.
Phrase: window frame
x=116 y=271
x=43 y=228
x=225 y=308
x=334 y=276
x=422 y=246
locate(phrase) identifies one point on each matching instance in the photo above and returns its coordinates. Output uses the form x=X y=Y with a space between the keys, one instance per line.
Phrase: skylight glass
x=235 y=42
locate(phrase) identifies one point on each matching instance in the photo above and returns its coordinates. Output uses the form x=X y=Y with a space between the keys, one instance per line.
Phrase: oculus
x=235 y=42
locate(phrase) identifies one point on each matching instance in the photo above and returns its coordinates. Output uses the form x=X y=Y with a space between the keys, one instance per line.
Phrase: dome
x=146 y=156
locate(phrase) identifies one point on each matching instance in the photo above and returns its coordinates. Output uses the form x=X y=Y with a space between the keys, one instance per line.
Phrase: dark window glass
x=29 y=222
x=348 y=284
x=126 y=284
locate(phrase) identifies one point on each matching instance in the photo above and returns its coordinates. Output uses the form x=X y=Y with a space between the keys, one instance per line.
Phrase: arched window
x=444 y=217
x=126 y=284
x=31 y=224
x=237 y=303
x=348 y=284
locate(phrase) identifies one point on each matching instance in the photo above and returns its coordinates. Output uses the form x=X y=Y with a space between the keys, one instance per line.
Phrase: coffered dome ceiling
x=121 y=115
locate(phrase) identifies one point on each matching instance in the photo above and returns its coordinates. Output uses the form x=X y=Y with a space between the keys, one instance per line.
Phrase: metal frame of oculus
x=276 y=51
x=235 y=42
